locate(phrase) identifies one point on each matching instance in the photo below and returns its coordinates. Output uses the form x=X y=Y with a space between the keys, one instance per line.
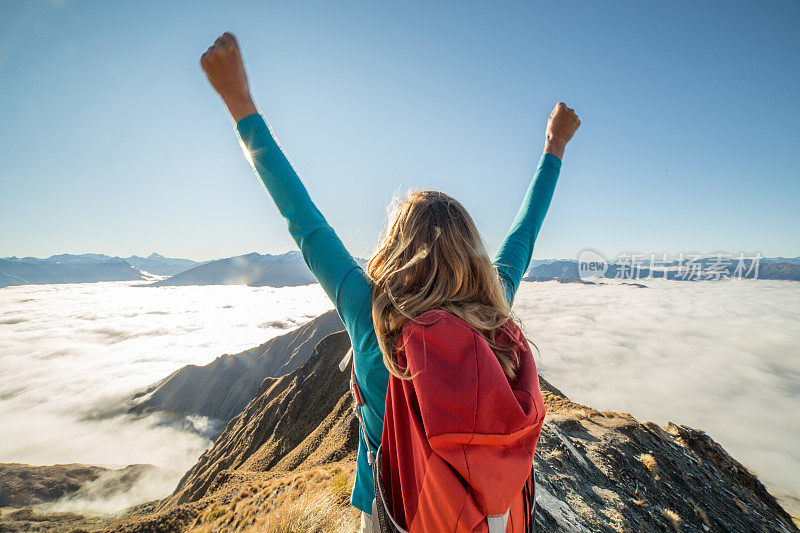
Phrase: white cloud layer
x=68 y=352
x=723 y=357
x=719 y=356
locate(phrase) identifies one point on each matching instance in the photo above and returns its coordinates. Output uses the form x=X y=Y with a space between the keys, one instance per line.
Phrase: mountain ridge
x=596 y=470
x=222 y=388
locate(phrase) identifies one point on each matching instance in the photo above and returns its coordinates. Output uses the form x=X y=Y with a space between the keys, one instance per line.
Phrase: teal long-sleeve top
x=349 y=287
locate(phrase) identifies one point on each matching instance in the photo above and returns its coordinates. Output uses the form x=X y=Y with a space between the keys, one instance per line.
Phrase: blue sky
x=112 y=141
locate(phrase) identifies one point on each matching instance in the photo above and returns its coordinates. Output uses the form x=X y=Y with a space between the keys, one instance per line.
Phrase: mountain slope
x=301 y=419
x=222 y=389
x=254 y=270
x=596 y=471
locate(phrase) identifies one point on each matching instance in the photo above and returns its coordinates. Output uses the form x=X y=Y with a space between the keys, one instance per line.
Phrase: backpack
x=508 y=429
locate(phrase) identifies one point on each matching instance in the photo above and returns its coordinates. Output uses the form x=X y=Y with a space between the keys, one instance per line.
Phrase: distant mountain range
x=87 y=268
x=705 y=268
x=289 y=270
x=284 y=270
x=158 y=264
x=790 y=260
x=253 y=269
x=66 y=268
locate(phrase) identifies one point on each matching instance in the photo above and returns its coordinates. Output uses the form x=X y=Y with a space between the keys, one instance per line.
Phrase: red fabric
x=459 y=438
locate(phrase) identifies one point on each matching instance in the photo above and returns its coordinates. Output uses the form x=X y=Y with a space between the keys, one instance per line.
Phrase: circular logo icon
x=591 y=264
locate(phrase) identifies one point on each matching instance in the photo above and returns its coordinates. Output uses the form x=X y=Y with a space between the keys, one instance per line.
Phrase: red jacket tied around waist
x=459 y=437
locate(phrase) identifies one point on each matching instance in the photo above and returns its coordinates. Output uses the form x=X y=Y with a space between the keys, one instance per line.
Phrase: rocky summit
x=284 y=458
x=595 y=470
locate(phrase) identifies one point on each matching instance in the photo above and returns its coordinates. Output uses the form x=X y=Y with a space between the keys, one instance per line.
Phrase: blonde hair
x=431 y=256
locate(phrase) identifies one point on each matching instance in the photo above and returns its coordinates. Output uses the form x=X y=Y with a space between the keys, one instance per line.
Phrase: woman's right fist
x=561 y=126
x=223 y=65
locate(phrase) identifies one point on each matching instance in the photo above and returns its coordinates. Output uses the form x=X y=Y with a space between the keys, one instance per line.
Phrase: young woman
x=430 y=261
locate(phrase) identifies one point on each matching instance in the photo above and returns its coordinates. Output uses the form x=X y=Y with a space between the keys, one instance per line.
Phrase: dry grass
x=742 y=507
x=556 y=453
x=701 y=515
x=649 y=462
x=340 y=488
x=672 y=518
x=316 y=500
x=313 y=513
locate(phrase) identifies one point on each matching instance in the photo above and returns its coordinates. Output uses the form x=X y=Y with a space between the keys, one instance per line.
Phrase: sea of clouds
x=719 y=356
x=71 y=354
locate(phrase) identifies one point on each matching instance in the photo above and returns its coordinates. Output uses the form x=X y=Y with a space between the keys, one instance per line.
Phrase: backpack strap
x=382 y=519
x=358 y=400
x=529 y=501
x=346 y=359
x=533 y=498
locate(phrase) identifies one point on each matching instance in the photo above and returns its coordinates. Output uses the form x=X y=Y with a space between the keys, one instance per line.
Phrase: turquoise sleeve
x=514 y=255
x=342 y=279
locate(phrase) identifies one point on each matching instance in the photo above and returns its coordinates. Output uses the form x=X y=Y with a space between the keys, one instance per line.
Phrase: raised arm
x=514 y=255
x=342 y=279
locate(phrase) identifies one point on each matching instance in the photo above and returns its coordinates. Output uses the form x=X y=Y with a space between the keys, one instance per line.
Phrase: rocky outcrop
x=596 y=471
x=222 y=389
x=605 y=471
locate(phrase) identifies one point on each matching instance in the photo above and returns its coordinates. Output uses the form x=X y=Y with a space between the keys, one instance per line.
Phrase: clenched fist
x=223 y=65
x=561 y=127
